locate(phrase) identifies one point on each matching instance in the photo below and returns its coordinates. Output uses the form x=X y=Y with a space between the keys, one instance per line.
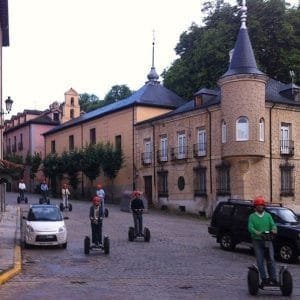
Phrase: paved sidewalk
x=10 y=250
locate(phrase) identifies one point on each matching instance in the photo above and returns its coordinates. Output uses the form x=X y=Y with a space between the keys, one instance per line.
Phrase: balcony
x=162 y=156
x=146 y=158
x=179 y=153
x=199 y=149
x=287 y=147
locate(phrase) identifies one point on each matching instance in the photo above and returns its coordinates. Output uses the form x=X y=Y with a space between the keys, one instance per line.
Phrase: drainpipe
x=133 y=157
x=82 y=185
x=154 y=156
x=271 y=163
x=210 y=162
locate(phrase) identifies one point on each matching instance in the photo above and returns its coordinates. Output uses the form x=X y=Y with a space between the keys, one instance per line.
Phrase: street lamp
x=8 y=105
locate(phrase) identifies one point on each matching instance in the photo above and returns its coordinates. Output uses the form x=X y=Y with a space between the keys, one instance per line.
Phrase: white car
x=45 y=225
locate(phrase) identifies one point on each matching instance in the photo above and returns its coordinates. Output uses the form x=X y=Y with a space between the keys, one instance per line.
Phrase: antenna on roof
x=244 y=14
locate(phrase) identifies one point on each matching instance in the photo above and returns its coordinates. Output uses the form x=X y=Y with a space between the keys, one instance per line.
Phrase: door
x=148 y=189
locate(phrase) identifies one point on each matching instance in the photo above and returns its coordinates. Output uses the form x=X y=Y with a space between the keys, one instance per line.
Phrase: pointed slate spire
x=243 y=60
x=152 y=76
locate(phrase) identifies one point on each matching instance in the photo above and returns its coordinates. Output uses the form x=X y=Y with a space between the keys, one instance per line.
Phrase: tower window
x=72 y=101
x=72 y=113
x=242 y=129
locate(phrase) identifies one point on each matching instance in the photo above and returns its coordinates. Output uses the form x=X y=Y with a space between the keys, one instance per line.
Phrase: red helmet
x=136 y=193
x=96 y=200
x=259 y=201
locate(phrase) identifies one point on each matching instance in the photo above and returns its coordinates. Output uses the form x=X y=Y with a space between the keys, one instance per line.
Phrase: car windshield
x=284 y=214
x=44 y=213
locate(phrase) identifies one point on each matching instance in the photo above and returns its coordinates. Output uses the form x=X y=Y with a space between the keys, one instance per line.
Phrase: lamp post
x=8 y=105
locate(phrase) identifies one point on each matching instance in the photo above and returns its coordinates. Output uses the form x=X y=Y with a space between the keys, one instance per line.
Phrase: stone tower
x=70 y=108
x=243 y=89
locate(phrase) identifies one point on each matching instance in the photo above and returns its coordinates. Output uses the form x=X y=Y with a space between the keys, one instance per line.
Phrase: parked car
x=229 y=224
x=45 y=225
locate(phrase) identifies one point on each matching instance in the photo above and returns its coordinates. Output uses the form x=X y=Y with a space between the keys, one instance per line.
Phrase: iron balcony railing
x=146 y=158
x=287 y=147
x=178 y=153
x=199 y=149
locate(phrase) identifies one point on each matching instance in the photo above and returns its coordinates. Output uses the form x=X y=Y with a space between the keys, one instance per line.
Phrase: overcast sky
x=89 y=45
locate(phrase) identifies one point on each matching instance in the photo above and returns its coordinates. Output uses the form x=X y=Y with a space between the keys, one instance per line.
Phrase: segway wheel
x=26 y=200
x=18 y=200
x=70 y=207
x=147 y=234
x=287 y=283
x=87 y=244
x=131 y=234
x=40 y=201
x=253 y=282
x=106 y=245
x=48 y=201
x=61 y=206
x=106 y=212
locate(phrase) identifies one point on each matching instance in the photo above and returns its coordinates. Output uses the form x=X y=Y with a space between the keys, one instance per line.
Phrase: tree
x=89 y=102
x=71 y=166
x=53 y=168
x=117 y=92
x=91 y=159
x=203 y=51
x=33 y=161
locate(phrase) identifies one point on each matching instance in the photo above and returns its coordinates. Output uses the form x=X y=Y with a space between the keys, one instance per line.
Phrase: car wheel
x=64 y=245
x=27 y=246
x=226 y=242
x=287 y=253
x=287 y=284
x=253 y=282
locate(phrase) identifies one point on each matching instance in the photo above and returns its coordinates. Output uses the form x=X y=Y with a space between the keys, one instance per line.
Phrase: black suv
x=229 y=224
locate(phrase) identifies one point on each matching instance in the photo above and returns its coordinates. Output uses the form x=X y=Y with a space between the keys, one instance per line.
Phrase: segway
x=68 y=205
x=44 y=199
x=88 y=246
x=145 y=234
x=22 y=198
x=284 y=284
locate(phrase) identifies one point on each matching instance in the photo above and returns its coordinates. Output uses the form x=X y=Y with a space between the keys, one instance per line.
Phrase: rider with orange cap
x=260 y=222
x=96 y=216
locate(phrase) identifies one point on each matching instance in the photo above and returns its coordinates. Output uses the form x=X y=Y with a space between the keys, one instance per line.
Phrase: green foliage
x=117 y=92
x=17 y=159
x=34 y=162
x=92 y=156
x=89 y=102
x=53 y=166
x=112 y=161
x=274 y=30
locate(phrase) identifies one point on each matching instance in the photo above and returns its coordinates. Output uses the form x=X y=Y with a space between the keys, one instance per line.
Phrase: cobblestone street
x=182 y=261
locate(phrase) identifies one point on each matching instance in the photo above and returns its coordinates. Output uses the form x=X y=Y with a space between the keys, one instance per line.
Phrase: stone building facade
x=239 y=140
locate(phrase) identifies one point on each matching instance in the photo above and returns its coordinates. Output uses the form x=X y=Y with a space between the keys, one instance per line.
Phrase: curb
x=17 y=268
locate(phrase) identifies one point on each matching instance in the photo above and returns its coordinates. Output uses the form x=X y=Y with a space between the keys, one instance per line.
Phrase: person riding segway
x=96 y=216
x=137 y=208
x=263 y=230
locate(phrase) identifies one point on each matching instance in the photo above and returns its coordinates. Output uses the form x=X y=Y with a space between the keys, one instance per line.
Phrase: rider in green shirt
x=259 y=223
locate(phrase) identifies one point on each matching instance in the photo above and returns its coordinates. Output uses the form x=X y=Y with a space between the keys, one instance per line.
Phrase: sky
x=89 y=45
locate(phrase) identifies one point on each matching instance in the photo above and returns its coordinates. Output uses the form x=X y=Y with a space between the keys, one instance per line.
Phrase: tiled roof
x=151 y=94
x=243 y=60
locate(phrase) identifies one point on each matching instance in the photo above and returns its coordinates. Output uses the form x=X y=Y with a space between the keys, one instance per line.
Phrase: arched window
x=242 y=129
x=224 y=132
x=262 y=130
